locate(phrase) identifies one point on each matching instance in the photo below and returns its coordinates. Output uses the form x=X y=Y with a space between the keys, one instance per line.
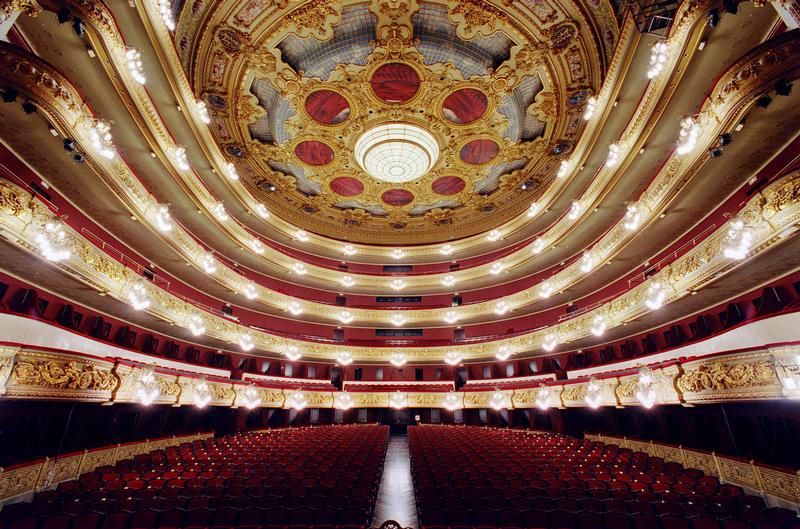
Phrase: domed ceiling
x=396 y=122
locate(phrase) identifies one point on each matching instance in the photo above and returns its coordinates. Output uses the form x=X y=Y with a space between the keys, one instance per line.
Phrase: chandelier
x=645 y=388
x=298 y=400
x=147 y=387
x=498 y=400
x=52 y=242
x=594 y=395
x=398 y=400
x=250 y=397
x=202 y=393
x=344 y=359
x=343 y=401
x=544 y=397
x=451 y=401
x=396 y=152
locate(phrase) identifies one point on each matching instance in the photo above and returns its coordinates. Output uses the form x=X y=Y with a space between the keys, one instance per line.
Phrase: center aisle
x=396 y=494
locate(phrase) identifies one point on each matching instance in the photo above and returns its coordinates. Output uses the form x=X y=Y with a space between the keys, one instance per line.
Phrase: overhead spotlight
x=28 y=107
x=783 y=87
x=730 y=6
x=716 y=152
x=764 y=101
x=9 y=95
x=78 y=27
x=713 y=18
x=725 y=139
x=69 y=145
x=79 y=158
x=63 y=15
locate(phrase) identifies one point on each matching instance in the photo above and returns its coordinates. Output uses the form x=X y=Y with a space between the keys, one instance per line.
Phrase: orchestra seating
x=471 y=477
x=324 y=477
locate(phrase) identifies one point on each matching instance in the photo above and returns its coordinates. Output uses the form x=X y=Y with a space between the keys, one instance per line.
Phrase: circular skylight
x=396 y=152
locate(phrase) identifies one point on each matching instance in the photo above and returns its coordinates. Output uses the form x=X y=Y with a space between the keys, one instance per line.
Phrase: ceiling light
x=345 y=317
x=738 y=239
x=397 y=254
x=613 y=155
x=397 y=319
x=208 y=263
x=688 y=135
x=179 y=156
x=498 y=400
x=349 y=249
x=246 y=341
x=52 y=242
x=342 y=400
x=165 y=9
x=295 y=308
x=396 y=152
x=101 y=140
x=550 y=342
x=261 y=210
x=658 y=58
x=447 y=249
x=501 y=307
x=293 y=353
x=162 y=218
x=563 y=169
x=398 y=359
x=138 y=296
x=656 y=295
x=250 y=291
x=503 y=353
x=453 y=358
x=299 y=268
x=599 y=325
x=633 y=217
x=301 y=236
x=545 y=289
x=538 y=245
x=591 y=104
x=298 y=401
x=574 y=210
x=344 y=359
x=450 y=316
x=533 y=209
x=218 y=210
x=587 y=262
x=257 y=246
x=147 y=390
x=449 y=280
x=494 y=235
x=135 y=66
x=645 y=388
x=452 y=401
x=202 y=111
x=397 y=284
x=202 y=393
x=233 y=174
x=196 y=324
x=251 y=397
x=346 y=281
x=496 y=268
x=544 y=397
x=398 y=400
x=594 y=395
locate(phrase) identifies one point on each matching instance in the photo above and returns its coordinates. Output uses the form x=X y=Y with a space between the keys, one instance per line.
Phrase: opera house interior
x=400 y=264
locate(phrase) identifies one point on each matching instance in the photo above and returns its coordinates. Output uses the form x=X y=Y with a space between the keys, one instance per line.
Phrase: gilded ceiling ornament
x=27 y=7
x=475 y=17
x=313 y=19
x=561 y=36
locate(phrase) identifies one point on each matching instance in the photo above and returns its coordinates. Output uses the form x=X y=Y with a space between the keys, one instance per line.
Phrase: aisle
x=396 y=493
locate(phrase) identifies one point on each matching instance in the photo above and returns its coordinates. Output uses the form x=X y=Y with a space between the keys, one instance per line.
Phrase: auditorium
x=399 y=264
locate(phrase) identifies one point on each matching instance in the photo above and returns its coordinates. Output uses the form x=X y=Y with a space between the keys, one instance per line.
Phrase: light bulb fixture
x=138 y=296
x=494 y=235
x=342 y=400
x=498 y=400
x=538 y=245
x=633 y=217
x=251 y=397
x=645 y=388
x=453 y=358
x=450 y=317
x=501 y=307
x=196 y=324
x=52 y=242
x=165 y=9
x=594 y=394
x=202 y=111
x=344 y=358
x=179 y=155
x=545 y=289
x=349 y=249
x=257 y=246
x=599 y=325
x=563 y=169
x=347 y=281
x=658 y=58
x=162 y=218
x=261 y=210
x=614 y=151
x=233 y=174
x=452 y=401
x=398 y=359
x=246 y=341
x=101 y=140
x=396 y=152
x=397 y=320
x=202 y=393
x=447 y=249
x=587 y=262
x=738 y=239
x=294 y=308
x=397 y=254
x=656 y=295
x=147 y=390
x=133 y=58
x=301 y=235
x=496 y=268
x=789 y=375
x=503 y=353
x=218 y=210
x=299 y=268
x=208 y=263
x=544 y=397
x=298 y=400
x=293 y=353
x=550 y=342
x=591 y=105
x=398 y=400
x=449 y=280
x=397 y=284
x=345 y=317
x=574 y=210
x=533 y=209
x=250 y=290
x=688 y=135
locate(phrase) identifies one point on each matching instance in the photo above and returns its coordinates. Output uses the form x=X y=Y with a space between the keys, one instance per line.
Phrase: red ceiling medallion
x=464 y=106
x=314 y=152
x=448 y=185
x=327 y=107
x=347 y=186
x=477 y=152
x=395 y=82
x=397 y=197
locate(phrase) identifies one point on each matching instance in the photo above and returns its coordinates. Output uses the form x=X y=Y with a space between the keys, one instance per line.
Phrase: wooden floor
x=396 y=494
